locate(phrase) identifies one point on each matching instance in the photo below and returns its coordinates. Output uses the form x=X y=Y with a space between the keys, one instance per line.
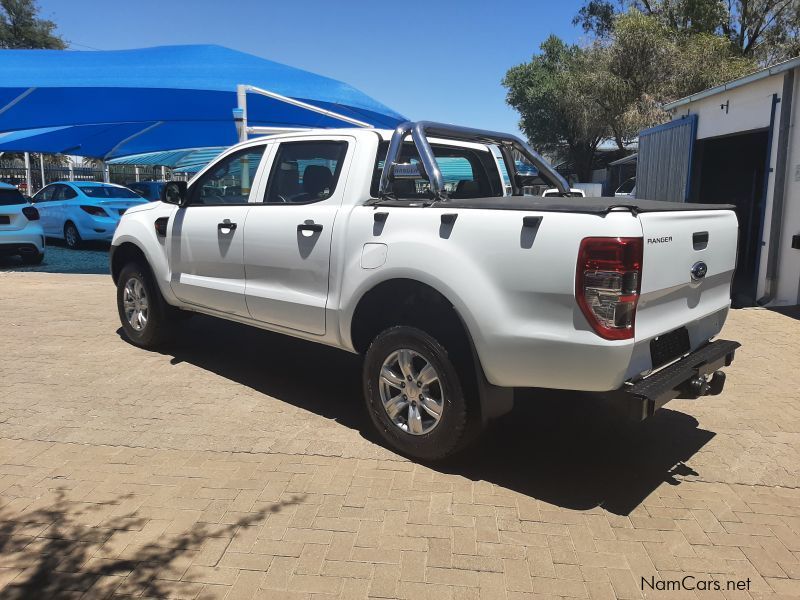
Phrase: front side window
x=305 y=172
x=106 y=191
x=229 y=181
x=45 y=194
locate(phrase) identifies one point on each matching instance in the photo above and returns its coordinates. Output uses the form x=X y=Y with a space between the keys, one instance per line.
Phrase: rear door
x=47 y=211
x=688 y=264
x=206 y=237
x=287 y=242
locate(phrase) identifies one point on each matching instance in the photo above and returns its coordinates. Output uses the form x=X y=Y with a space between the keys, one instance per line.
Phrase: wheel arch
x=397 y=298
x=408 y=301
x=121 y=255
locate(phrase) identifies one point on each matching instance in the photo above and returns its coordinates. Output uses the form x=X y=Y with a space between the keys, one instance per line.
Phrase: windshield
x=107 y=191
x=9 y=196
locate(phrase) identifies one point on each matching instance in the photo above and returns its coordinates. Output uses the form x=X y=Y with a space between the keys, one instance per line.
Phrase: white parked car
x=627 y=189
x=454 y=295
x=552 y=192
x=20 y=229
x=76 y=211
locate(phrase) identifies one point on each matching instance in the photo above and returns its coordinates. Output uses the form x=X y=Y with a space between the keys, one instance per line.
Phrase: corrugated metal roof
x=763 y=73
x=170 y=158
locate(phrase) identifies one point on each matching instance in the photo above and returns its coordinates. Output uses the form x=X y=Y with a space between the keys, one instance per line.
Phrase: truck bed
x=598 y=206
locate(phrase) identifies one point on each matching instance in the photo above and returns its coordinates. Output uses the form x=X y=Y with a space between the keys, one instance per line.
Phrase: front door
x=206 y=237
x=287 y=241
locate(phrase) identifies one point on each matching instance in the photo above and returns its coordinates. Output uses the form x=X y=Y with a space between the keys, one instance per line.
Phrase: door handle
x=315 y=227
x=226 y=224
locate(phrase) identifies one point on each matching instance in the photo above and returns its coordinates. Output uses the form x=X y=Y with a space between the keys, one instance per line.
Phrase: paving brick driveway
x=239 y=464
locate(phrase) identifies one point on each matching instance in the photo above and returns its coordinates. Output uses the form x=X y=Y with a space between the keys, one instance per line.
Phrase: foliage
x=571 y=98
x=20 y=27
x=765 y=30
x=552 y=96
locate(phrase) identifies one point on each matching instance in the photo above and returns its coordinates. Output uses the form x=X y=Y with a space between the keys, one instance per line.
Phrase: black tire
x=160 y=324
x=458 y=417
x=33 y=258
x=72 y=237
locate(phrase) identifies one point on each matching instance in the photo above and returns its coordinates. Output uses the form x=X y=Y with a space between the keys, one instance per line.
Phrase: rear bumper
x=23 y=241
x=685 y=378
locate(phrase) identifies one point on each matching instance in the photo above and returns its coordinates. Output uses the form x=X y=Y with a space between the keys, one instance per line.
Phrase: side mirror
x=174 y=192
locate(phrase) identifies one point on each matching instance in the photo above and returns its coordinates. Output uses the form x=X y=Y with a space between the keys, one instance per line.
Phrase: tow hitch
x=703 y=386
x=695 y=375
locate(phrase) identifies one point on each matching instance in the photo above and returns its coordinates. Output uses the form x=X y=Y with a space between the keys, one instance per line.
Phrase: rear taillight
x=30 y=213
x=95 y=211
x=607 y=284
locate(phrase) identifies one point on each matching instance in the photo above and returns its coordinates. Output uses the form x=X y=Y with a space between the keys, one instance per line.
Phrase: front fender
x=139 y=229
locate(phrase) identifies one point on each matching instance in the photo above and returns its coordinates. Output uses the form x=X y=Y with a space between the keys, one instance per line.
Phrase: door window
x=63 y=192
x=305 y=172
x=229 y=181
x=45 y=195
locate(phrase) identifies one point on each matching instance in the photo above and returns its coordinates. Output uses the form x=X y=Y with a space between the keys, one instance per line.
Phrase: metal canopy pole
x=240 y=113
x=28 y=172
x=41 y=166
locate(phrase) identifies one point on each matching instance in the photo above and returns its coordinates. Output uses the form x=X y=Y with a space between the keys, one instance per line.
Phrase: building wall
x=746 y=108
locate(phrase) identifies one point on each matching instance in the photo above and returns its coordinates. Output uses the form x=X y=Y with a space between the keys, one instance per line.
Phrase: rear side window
x=466 y=173
x=107 y=191
x=10 y=196
x=305 y=172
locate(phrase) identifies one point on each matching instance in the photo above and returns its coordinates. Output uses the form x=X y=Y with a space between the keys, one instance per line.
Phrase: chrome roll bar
x=422 y=130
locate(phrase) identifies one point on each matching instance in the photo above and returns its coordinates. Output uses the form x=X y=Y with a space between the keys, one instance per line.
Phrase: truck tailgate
x=688 y=264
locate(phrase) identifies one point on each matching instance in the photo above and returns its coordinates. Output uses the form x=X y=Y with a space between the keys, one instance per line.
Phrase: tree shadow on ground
x=564 y=448
x=66 y=548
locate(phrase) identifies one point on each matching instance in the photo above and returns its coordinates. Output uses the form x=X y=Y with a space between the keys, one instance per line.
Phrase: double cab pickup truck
x=417 y=249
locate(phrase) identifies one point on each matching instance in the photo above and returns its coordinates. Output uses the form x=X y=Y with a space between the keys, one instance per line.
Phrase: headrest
x=316 y=179
x=404 y=188
x=468 y=188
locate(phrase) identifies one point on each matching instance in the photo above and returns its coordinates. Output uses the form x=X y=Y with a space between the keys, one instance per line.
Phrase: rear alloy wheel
x=411 y=392
x=414 y=394
x=71 y=236
x=146 y=318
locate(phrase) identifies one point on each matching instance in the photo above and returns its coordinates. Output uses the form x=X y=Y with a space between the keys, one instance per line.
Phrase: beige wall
x=748 y=108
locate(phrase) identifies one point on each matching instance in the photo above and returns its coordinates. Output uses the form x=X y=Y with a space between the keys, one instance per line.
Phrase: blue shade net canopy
x=108 y=104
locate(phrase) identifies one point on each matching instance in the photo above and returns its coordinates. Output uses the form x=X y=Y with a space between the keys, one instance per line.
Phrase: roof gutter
x=779 y=190
x=789 y=65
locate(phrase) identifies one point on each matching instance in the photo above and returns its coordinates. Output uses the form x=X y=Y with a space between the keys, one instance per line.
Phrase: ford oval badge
x=699 y=270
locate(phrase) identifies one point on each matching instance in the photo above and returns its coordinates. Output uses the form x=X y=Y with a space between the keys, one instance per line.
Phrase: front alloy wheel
x=146 y=318
x=134 y=301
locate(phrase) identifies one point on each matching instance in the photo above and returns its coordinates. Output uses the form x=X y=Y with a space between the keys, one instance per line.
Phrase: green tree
x=20 y=27
x=571 y=98
x=551 y=93
x=766 y=30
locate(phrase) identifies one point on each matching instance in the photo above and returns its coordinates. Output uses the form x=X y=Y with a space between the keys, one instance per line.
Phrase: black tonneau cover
x=595 y=206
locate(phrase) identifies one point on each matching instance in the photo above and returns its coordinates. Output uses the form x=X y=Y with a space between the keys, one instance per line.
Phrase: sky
x=439 y=60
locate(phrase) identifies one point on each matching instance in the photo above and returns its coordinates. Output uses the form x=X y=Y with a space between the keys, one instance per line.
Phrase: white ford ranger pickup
x=417 y=250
